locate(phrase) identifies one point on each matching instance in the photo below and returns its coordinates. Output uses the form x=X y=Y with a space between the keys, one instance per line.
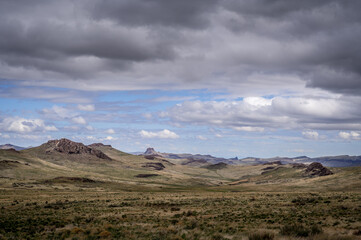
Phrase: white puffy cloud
x=200 y=137
x=110 y=138
x=88 y=107
x=258 y=101
x=350 y=135
x=258 y=114
x=22 y=125
x=161 y=134
x=249 y=129
x=79 y=120
x=61 y=113
x=110 y=131
x=57 y=112
x=91 y=138
x=310 y=135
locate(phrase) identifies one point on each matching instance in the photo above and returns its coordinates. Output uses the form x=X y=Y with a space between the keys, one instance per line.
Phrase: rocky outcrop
x=69 y=147
x=150 y=151
x=317 y=169
x=98 y=145
x=154 y=165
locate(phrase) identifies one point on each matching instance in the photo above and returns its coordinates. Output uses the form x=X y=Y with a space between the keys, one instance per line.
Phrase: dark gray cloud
x=170 y=13
x=152 y=44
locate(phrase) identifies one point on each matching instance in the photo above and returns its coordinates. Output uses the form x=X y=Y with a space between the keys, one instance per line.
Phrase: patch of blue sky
x=20 y=106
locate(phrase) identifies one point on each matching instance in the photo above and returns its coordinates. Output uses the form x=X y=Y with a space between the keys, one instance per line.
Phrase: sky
x=259 y=78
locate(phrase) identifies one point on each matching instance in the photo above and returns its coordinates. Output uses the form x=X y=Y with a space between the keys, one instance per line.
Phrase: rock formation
x=69 y=147
x=317 y=169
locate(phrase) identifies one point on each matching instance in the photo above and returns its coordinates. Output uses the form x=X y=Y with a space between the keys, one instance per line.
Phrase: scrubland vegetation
x=90 y=214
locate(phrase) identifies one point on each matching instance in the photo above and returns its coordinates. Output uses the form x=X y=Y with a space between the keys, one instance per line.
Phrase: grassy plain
x=55 y=196
x=90 y=212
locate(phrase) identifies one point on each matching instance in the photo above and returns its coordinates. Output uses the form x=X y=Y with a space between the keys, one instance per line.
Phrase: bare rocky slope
x=67 y=146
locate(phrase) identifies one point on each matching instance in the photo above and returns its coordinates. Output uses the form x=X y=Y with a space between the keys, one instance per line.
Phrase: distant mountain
x=9 y=146
x=191 y=157
x=328 y=161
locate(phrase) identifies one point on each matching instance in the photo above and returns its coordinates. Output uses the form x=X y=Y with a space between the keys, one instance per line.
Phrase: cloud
x=350 y=135
x=168 y=44
x=53 y=95
x=6 y=136
x=169 y=13
x=249 y=129
x=110 y=131
x=161 y=134
x=79 y=120
x=90 y=128
x=310 y=135
x=58 y=112
x=88 y=107
x=314 y=113
x=200 y=137
x=110 y=138
x=22 y=125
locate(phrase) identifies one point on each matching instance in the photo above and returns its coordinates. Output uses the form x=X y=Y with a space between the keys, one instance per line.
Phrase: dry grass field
x=90 y=213
x=51 y=195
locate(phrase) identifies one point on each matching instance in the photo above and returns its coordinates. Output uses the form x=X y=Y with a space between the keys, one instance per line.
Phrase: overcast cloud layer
x=181 y=44
x=263 y=66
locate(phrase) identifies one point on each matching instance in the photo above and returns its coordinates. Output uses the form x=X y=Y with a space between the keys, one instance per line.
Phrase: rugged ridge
x=69 y=147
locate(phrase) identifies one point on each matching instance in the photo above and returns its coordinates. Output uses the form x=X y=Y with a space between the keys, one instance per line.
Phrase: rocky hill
x=67 y=146
x=317 y=169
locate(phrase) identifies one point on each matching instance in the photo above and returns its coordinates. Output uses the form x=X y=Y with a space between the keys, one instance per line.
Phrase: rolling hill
x=64 y=161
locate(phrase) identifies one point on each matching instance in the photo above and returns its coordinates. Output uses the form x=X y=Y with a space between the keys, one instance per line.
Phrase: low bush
x=261 y=236
x=299 y=230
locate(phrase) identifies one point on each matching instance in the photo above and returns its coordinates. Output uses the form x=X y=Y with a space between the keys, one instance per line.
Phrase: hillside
x=51 y=163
